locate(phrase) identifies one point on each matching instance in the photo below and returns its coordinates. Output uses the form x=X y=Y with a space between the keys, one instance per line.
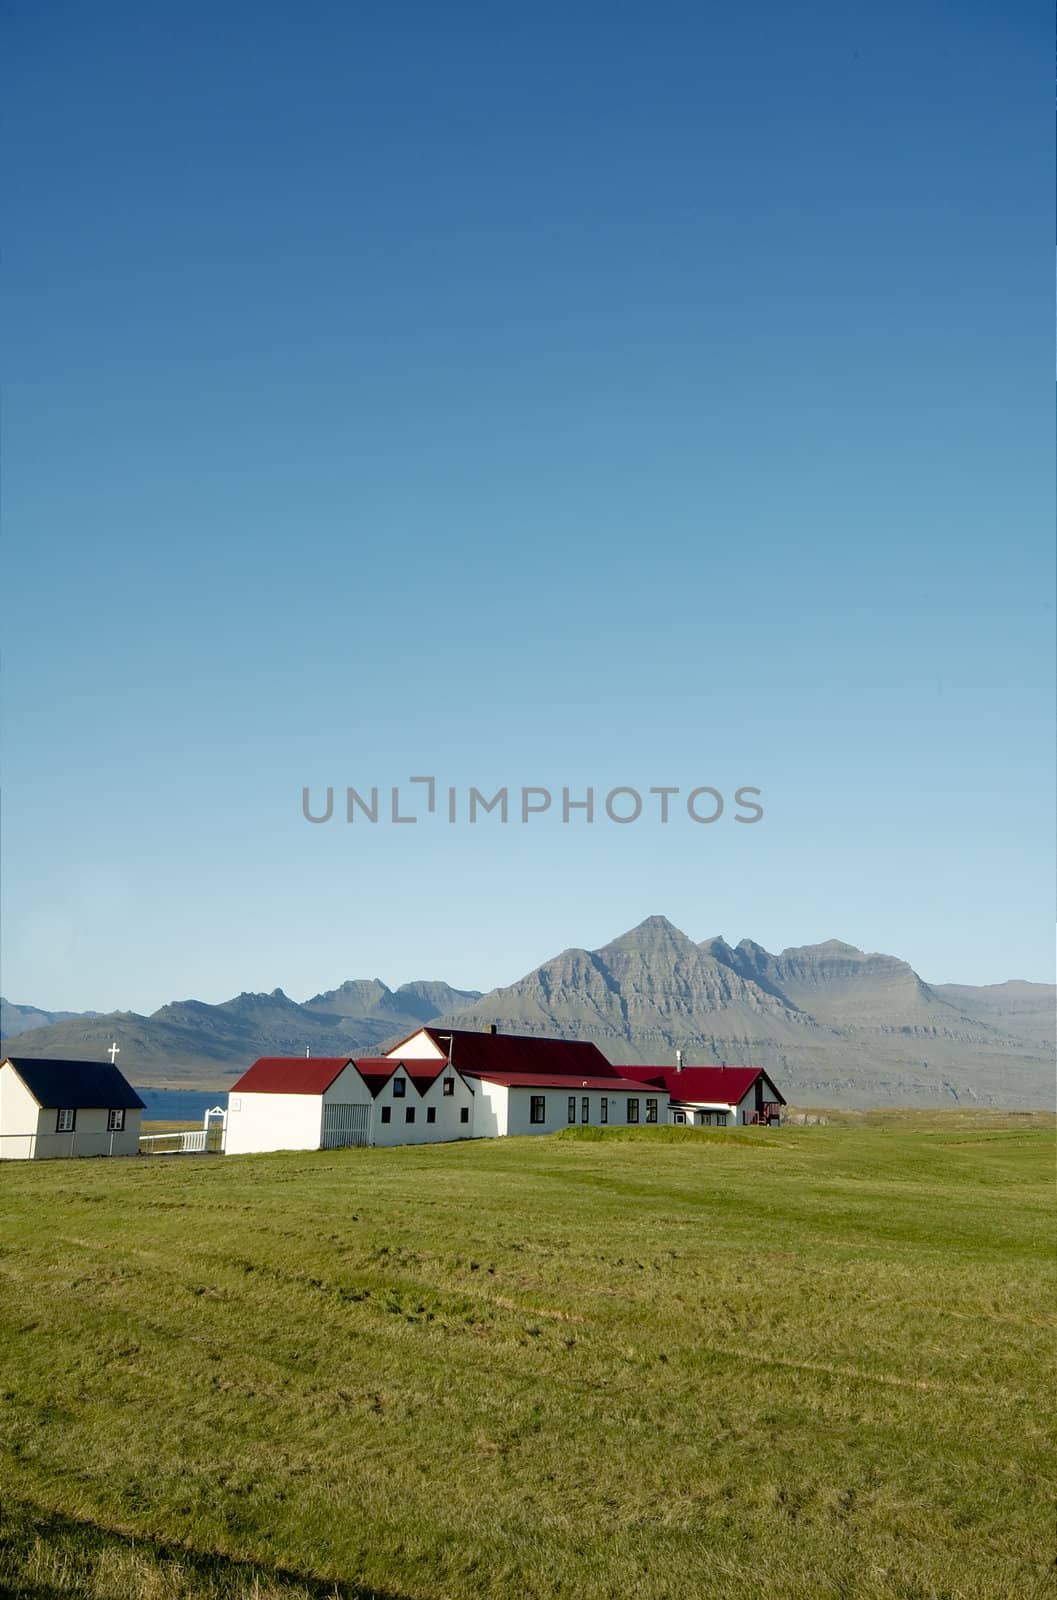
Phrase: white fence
x=206 y=1140
x=183 y=1142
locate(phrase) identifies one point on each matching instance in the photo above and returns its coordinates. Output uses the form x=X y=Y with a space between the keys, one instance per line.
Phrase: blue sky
x=567 y=395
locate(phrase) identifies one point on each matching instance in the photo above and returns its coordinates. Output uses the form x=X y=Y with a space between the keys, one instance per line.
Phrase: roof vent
x=493 y=1027
x=678 y=1061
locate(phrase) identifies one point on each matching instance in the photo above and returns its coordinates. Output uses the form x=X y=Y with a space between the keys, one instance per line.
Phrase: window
x=604 y=1114
x=464 y=1113
x=449 y=1086
x=115 y=1121
x=585 y=1109
x=431 y=1113
x=651 y=1111
x=387 y=1113
x=679 y=1116
x=64 y=1121
x=409 y=1114
x=399 y=1088
x=721 y=1119
x=633 y=1111
x=572 y=1108
x=538 y=1108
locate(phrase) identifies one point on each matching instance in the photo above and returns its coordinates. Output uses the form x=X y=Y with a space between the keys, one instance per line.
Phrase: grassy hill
x=675 y=1363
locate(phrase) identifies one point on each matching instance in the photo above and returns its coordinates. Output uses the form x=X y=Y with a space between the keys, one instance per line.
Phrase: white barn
x=51 y=1108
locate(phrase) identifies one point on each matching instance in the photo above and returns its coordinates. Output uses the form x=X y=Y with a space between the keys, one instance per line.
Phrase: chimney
x=678 y=1061
x=722 y=1064
x=493 y=1027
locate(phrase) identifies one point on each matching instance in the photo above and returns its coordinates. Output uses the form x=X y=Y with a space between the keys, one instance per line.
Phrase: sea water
x=180 y=1105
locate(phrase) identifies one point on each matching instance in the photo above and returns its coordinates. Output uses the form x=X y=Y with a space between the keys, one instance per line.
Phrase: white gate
x=344 y=1125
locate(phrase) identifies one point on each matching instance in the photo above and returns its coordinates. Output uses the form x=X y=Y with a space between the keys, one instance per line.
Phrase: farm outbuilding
x=51 y=1108
x=714 y=1096
x=322 y=1103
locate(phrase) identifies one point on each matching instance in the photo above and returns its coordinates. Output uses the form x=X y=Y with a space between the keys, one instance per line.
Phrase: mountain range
x=15 y=1020
x=833 y=1025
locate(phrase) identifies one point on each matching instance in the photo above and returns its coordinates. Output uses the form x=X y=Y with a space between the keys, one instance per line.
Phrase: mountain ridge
x=834 y=1024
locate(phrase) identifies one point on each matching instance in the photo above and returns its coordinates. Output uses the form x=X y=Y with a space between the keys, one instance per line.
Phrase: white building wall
x=90 y=1136
x=491 y=1118
x=420 y=1047
x=556 y=1108
x=398 y=1130
x=747 y=1104
x=449 y=1122
x=449 y=1109
x=259 y=1122
x=19 y=1117
x=348 y=1088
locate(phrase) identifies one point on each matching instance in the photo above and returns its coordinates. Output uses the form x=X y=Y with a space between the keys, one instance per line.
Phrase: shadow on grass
x=45 y=1555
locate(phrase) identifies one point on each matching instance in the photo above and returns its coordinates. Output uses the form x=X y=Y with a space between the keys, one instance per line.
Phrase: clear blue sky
x=567 y=394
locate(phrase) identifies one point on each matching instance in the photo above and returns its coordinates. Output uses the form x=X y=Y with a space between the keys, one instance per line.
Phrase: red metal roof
x=704 y=1085
x=558 y=1080
x=291 y=1075
x=486 y=1054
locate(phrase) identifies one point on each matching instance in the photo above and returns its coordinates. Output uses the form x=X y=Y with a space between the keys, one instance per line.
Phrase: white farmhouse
x=528 y=1085
x=66 y=1108
x=434 y=1086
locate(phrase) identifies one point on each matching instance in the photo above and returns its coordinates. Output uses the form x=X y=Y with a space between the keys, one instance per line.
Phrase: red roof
x=703 y=1085
x=486 y=1054
x=557 y=1080
x=291 y=1075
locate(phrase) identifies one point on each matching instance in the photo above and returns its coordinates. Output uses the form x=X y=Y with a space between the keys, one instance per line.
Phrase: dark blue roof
x=75 y=1083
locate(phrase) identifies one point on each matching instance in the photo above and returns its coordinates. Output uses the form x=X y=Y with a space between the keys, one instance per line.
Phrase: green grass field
x=778 y=1363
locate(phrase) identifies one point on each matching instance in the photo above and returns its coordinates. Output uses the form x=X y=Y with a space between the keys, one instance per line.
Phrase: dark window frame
x=464 y=1113
x=585 y=1108
x=115 y=1120
x=431 y=1113
x=449 y=1086
x=387 y=1113
x=66 y=1127
x=651 y=1110
x=538 y=1108
x=572 y=1108
x=633 y=1111
x=409 y=1113
x=603 y=1114
x=399 y=1088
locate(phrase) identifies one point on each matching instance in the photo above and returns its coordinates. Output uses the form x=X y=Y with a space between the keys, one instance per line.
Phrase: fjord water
x=180 y=1105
